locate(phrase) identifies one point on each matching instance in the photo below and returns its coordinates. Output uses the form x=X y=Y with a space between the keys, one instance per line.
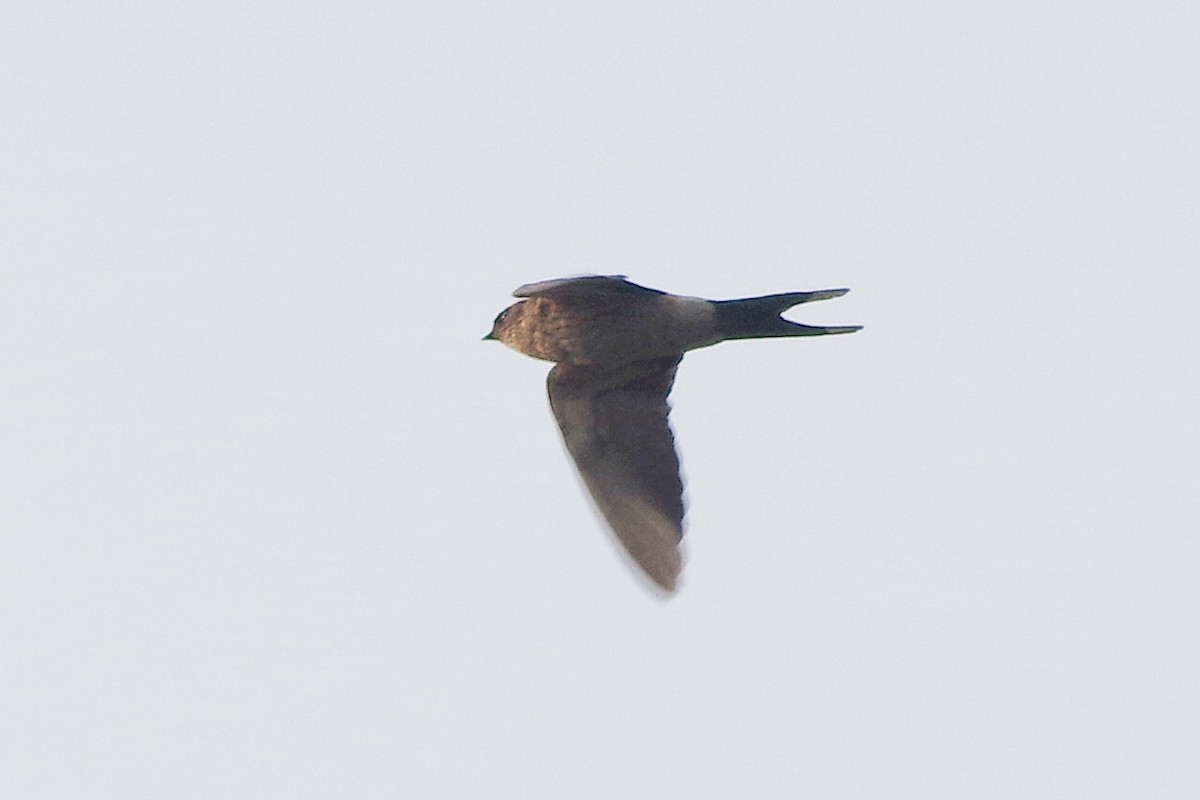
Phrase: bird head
x=504 y=323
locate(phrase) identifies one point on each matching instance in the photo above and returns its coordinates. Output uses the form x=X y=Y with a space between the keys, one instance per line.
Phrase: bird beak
x=488 y=337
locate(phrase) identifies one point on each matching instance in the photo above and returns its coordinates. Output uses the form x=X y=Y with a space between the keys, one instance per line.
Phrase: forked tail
x=759 y=317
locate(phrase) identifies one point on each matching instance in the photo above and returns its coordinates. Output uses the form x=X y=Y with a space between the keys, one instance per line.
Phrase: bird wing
x=586 y=286
x=614 y=423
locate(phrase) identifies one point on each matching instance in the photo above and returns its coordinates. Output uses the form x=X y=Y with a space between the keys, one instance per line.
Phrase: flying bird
x=616 y=346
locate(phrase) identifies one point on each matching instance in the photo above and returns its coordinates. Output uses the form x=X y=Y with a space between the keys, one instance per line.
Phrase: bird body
x=616 y=346
x=594 y=327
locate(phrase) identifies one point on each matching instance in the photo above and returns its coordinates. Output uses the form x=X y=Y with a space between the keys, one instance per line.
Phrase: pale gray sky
x=276 y=524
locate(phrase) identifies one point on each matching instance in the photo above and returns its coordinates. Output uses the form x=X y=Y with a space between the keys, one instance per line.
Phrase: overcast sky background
x=275 y=523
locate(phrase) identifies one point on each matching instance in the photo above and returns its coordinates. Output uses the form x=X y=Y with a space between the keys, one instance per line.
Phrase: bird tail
x=759 y=317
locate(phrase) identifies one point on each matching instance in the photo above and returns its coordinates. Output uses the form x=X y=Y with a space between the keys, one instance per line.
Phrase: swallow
x=615 y=347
